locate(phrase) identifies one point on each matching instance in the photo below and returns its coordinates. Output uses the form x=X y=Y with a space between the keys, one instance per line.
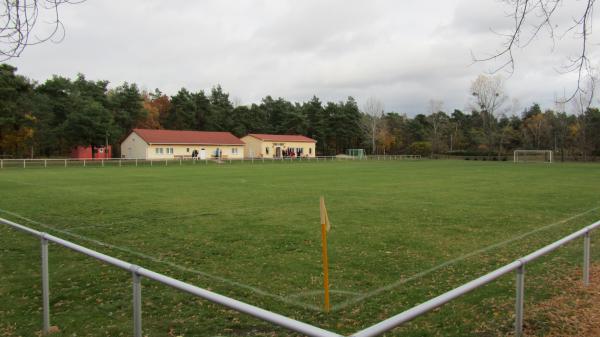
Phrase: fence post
x=24 y=163
x=119 y=162
x=102 y=162
x=84 y=163
x=137 y=301
x=519 y=301
x=65 y=163
x=136 y=162
x=45 y=287
x=586 y=259
x=179 y=161
x=45 y=163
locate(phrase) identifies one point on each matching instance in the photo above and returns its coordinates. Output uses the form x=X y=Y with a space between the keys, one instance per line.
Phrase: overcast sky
x=402 y=52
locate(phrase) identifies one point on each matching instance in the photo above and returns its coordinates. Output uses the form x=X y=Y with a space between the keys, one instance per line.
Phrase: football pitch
x=402 y=232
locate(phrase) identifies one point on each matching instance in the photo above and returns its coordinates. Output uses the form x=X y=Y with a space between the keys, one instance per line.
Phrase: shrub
x=420 y=148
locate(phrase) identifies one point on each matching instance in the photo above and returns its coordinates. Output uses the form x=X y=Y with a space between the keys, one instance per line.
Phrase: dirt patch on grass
x=574 y=312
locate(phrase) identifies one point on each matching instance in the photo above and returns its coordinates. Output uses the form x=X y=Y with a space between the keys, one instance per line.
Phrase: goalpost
x=358 y=153
x=534 y=156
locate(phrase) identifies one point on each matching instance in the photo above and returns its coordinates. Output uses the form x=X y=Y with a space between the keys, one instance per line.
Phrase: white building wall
x=133 y=147
x=163 y=151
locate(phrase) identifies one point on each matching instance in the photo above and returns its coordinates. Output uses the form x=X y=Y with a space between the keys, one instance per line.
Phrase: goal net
x=532 y=156
x=359 y=153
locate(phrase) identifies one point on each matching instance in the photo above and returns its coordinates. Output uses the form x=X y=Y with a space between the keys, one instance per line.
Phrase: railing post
x=119 y=162
x=137 y=301
x=45 y=287
x=519 y=301
x=45 y=163
x=102 y=162
x=84 y=163
x=24 y=163
x=65 y=163
x=136 y=162
x=586 y=259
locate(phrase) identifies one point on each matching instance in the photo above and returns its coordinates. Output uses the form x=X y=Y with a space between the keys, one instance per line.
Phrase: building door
x=278 y=152
x=202 y=154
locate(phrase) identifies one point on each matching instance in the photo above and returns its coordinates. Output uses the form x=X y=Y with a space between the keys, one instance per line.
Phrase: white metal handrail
x=294 y=325
x=138 y=272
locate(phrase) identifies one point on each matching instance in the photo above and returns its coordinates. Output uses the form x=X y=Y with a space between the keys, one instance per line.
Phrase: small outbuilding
x=260 y=145
x=170 y=144
x=91 y=152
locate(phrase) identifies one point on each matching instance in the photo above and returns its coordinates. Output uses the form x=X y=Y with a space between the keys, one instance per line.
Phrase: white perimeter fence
x=378 y=329
x=31 y=163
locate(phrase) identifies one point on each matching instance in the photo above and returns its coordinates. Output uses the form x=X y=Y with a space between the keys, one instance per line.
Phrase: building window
x=310 y=150
x=234 y=150
x=187 y=150
x=266 y=150
x=156 y=150
x=169 y=150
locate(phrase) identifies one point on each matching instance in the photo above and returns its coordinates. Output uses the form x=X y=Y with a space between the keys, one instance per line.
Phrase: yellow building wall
x=253 y=147
x=258 y=148
x=179 y=151
x=133 y=147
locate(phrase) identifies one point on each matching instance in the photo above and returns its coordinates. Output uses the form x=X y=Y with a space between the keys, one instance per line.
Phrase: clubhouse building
x=277 y=146
x=173 y=144
x=169 y=144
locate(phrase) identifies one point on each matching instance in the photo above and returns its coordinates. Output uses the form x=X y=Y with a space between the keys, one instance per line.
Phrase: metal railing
x=378 y=329
x=138 y=272
x=45 y=163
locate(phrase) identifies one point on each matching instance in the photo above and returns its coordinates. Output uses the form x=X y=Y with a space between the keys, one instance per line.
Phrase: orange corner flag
x=325 y=227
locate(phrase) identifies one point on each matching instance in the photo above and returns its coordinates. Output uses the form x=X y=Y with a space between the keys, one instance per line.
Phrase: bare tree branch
x=539 y=15
x=19 y=19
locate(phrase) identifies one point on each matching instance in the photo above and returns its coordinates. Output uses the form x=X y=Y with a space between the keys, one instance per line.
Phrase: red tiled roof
x=282 y=138
x=187 y=137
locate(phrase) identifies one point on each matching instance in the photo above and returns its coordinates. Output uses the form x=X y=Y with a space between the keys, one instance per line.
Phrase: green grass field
x=402 y=232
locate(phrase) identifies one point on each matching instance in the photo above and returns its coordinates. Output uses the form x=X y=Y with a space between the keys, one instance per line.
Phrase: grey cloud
x=403 y=52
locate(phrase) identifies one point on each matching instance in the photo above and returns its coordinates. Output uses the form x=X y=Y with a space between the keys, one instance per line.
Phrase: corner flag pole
x=324 y=229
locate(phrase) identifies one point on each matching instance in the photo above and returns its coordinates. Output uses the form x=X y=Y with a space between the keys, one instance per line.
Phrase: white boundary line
x=290 y=299
x=399 y=282
x=320 y=292
x=120 y=222
x=170 y=264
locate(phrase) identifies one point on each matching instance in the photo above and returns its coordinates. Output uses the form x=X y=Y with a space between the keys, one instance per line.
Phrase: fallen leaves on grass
x=574 y=312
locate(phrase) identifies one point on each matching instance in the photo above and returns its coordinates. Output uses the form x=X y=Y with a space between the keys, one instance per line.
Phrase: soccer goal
x=358 y=153
x=532 y=156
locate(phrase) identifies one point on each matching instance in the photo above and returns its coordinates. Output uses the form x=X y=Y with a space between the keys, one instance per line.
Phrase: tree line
x=48 y=119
